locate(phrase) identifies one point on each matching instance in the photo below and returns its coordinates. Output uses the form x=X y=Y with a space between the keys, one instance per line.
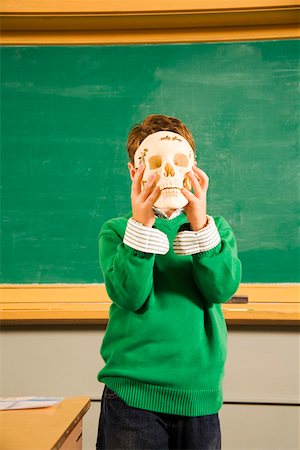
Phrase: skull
x=170 y=157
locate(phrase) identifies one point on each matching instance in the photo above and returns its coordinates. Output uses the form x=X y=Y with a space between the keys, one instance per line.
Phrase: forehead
x=165 y=139
x=163 y=142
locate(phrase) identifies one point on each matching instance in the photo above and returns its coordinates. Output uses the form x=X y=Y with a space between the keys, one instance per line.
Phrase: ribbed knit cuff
x=145 y=239
x=192 y=242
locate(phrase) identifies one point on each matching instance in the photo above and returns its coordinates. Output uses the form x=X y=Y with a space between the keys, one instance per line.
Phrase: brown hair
x=152 y=124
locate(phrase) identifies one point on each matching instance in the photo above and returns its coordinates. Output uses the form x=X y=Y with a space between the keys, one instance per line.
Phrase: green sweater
x=165 y=344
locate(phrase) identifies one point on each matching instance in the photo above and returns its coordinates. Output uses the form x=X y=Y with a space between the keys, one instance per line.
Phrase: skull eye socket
x=155 y=162
x=181 y=160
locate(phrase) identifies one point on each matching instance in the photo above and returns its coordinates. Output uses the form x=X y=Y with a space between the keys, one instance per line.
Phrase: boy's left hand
x=196 y=208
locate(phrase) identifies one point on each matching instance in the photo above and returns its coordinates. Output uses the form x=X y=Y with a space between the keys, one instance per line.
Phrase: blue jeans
x=122 y=427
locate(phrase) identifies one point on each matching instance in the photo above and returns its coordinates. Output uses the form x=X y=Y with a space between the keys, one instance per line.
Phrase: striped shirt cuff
x=192 y=242
x=145 y=239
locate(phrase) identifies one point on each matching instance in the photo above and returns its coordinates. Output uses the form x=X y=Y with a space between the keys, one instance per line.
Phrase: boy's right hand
x=143 y=200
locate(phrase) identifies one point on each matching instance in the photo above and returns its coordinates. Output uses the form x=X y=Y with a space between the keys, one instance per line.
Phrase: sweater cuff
x=145 y=239
x=192 y=242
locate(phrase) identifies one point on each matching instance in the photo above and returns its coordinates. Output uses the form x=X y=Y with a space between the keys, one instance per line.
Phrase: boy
x=168 y=267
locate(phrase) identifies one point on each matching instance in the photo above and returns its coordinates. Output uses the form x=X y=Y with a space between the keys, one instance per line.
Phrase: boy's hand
x=196 y=208
x=143 y=200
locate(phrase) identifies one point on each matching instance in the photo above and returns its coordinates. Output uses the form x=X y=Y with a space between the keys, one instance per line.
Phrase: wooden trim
x=268 y=304
x=135 y=6
x=153 y=21
x=77 y=22
x=148 y=37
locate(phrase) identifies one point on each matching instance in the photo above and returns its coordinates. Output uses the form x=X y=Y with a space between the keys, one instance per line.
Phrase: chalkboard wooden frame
x=82 y=22
x=233 y=20
x=268 y=304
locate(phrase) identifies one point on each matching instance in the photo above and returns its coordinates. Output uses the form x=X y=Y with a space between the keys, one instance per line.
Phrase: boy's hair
x=152 y=124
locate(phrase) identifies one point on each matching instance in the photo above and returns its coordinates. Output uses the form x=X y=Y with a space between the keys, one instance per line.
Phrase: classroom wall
x=261 y=383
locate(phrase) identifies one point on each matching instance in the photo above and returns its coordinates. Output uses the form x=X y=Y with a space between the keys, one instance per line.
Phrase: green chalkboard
x=65 y=115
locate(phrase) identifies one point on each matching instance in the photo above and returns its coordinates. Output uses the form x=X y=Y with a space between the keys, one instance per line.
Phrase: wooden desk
x=55 y=427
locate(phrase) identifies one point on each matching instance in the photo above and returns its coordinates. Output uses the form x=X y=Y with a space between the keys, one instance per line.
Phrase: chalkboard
x=65 y=115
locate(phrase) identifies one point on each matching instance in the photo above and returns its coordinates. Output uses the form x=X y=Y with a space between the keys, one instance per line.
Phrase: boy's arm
x=216 y=267
x=217 y=272
x=127 y=264
x=128 y=273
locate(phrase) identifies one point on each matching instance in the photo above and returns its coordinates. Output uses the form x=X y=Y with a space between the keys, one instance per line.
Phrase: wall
x=261 y=383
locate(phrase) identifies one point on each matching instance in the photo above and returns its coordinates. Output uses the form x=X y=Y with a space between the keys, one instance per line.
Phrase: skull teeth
x=170 y=191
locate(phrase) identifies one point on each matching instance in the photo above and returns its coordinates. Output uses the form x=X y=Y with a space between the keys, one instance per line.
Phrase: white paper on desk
x=28 y=402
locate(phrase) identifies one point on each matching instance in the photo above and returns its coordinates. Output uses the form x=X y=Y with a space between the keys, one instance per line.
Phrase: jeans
x=122 y=427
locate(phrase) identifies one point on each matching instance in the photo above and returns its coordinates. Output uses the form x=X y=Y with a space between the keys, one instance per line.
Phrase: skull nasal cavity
x=169 y=170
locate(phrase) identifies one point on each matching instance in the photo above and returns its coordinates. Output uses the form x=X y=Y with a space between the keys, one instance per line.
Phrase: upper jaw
x=171 y=187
